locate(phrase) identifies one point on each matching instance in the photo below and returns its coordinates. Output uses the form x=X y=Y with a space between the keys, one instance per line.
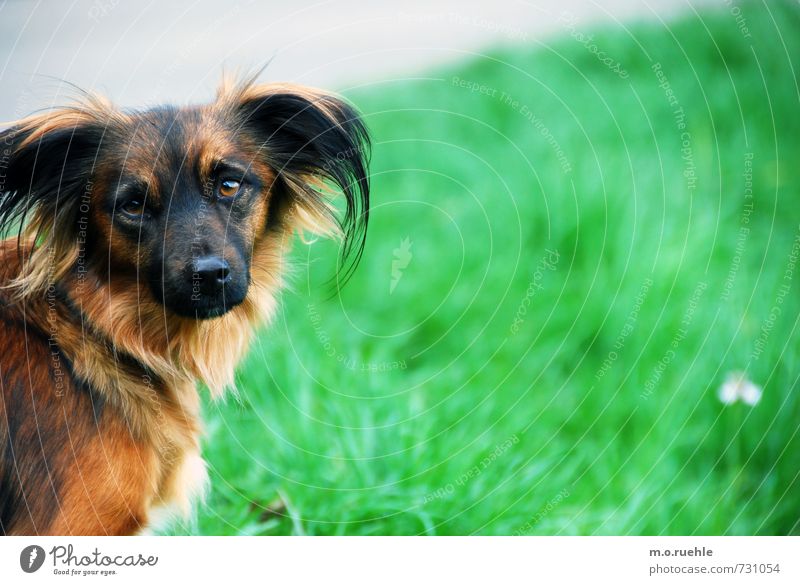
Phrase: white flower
x=738 y=387
x=729 y=391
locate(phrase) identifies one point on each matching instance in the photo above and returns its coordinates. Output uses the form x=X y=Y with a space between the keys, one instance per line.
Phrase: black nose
x=210 y=274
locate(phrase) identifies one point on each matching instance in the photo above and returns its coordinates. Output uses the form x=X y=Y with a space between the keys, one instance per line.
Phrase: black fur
x=47 y=173
x=299 y=138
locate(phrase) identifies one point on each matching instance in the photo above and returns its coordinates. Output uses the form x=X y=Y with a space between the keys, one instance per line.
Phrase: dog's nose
x=210 y=273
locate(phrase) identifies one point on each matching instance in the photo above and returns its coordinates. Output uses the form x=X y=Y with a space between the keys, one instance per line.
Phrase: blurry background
x=148 y=52
x=577 y=311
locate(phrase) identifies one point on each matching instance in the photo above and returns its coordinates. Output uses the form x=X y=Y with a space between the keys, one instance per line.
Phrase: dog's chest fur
x=138 y=461
x=155 y=392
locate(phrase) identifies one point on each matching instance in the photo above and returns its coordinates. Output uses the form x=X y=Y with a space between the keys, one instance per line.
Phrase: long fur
x=121 y=397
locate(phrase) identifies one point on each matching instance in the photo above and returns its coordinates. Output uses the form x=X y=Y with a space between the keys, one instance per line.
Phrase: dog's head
x=179 y=198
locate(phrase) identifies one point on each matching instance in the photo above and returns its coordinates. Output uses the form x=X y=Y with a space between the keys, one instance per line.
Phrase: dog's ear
x=46 y=165
x=46 y=162
x=310 y=138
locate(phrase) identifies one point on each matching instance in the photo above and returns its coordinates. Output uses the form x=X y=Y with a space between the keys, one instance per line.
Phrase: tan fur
x=176 y=350
x=159 y=428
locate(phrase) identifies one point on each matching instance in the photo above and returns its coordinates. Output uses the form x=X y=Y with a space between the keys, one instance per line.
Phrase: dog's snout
x=206 y=286
x=211 y=273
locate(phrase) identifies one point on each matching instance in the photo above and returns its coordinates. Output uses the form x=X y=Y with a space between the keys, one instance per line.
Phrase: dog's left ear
x=309 y=137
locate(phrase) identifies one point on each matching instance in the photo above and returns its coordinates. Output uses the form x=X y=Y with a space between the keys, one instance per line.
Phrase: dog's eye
x=133 y=207
x=229 y=188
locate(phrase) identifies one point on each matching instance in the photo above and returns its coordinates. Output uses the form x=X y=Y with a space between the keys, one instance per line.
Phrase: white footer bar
x=402 y=560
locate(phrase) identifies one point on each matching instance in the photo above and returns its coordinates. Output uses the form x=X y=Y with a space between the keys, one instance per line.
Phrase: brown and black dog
x=145 y=247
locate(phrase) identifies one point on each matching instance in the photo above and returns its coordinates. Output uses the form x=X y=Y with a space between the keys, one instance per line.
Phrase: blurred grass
x=422 y=411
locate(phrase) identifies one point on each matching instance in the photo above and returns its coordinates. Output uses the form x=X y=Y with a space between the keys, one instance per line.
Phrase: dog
x=143 y=248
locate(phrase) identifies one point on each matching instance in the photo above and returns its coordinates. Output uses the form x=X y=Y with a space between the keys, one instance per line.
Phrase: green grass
x=353 y=444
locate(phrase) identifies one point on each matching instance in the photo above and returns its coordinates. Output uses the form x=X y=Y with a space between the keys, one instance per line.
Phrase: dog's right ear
x=46 y=166
x=46 y=162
